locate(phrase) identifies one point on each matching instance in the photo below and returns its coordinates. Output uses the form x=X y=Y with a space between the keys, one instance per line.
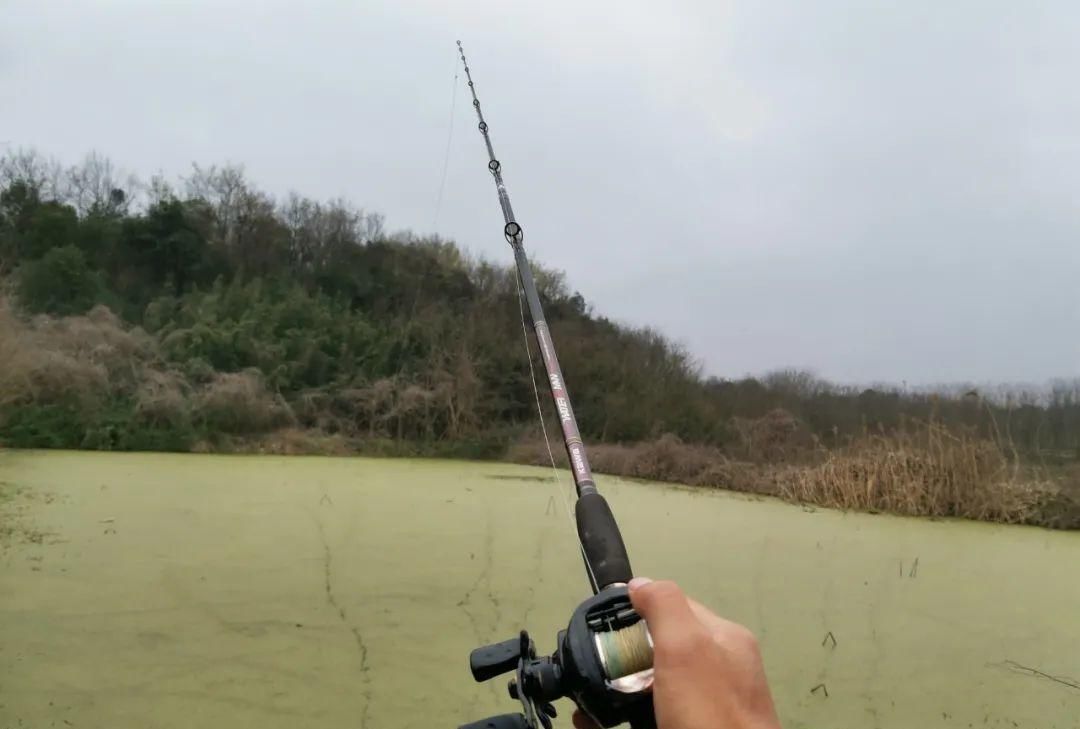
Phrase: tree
x=171 y=247
x=52 y=225
x=18 y=201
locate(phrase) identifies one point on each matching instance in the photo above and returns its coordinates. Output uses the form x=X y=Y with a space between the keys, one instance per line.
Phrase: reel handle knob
x=491 y=660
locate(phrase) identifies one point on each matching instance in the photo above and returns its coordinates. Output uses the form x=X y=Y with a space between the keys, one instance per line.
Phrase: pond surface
x=171 y=591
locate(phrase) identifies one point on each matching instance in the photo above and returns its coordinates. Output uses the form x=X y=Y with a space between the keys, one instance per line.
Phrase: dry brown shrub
x=298 y=442
x=37 y=365
x=366 y=407
x=612 y=458
x=531 y=451
x=321 y=411
x=238 y=402
x=98 y=337
x=776 y=437
x=928 y=471
x=738 y=476
x=665 y=459
x=351 y=403
x=50 y=376
x=13 y=350
x=1059 y=509
x=669 y=459
x=163 y=398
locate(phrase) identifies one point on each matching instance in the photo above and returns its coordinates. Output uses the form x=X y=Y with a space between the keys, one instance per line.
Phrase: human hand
x=708 y=672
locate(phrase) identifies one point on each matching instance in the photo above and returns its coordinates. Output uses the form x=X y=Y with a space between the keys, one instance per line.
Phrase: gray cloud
x=872 y=190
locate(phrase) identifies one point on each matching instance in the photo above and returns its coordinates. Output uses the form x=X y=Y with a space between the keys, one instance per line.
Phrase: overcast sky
x=872 y=190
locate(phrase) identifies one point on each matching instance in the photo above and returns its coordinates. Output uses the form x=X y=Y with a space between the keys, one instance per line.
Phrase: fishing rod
x=603 y=660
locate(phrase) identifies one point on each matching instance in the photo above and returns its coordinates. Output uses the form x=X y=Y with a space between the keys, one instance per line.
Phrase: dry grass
x=927 y=470
x=284 y=442
x=665 y=459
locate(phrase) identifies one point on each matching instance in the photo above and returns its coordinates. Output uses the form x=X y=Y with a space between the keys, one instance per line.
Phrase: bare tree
x=31 y=167
x=319 y=233
x=224 y=189
x=372 y=227
x=95 y=185
x=159 y=190
x=245 y=223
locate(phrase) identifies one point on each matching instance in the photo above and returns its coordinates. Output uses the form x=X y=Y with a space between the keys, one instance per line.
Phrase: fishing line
x=446 y=157
x=556 y=482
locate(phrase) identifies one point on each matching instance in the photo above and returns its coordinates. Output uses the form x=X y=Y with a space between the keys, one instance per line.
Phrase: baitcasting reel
x=603 y=662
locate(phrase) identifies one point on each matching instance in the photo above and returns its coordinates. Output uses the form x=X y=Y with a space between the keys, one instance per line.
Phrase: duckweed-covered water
x=173 y=591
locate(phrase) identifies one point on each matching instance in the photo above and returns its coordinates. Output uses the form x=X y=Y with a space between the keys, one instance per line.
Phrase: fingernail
x=638 y=582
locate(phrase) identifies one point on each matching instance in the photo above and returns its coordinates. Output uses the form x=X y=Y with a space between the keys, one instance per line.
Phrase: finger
x=581 y=721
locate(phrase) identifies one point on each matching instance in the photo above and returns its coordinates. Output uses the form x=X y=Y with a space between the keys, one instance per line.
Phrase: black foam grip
x=602 y=541
x=502 y=721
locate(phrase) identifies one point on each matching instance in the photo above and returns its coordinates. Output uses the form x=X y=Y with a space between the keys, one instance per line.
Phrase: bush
x=121 y=427
x=49 y=425
x=238 y=402
x=295 y=339
x=116 y=426
x=60 y=282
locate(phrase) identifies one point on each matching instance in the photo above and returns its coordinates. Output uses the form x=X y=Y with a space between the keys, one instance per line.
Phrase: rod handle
x=602 y=542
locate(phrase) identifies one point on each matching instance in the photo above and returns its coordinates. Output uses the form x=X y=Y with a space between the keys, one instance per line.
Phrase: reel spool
x=625 y=652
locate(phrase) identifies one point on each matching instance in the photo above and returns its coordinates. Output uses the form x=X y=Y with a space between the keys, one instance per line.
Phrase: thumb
x=667 y=612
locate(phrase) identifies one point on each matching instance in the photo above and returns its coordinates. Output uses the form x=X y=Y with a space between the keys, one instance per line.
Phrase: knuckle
x=739 y=638
x=666 y=588
x=657 y=593
x=682 y=647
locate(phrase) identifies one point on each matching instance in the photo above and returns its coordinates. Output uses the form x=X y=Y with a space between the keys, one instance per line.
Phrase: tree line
x=344 y=327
